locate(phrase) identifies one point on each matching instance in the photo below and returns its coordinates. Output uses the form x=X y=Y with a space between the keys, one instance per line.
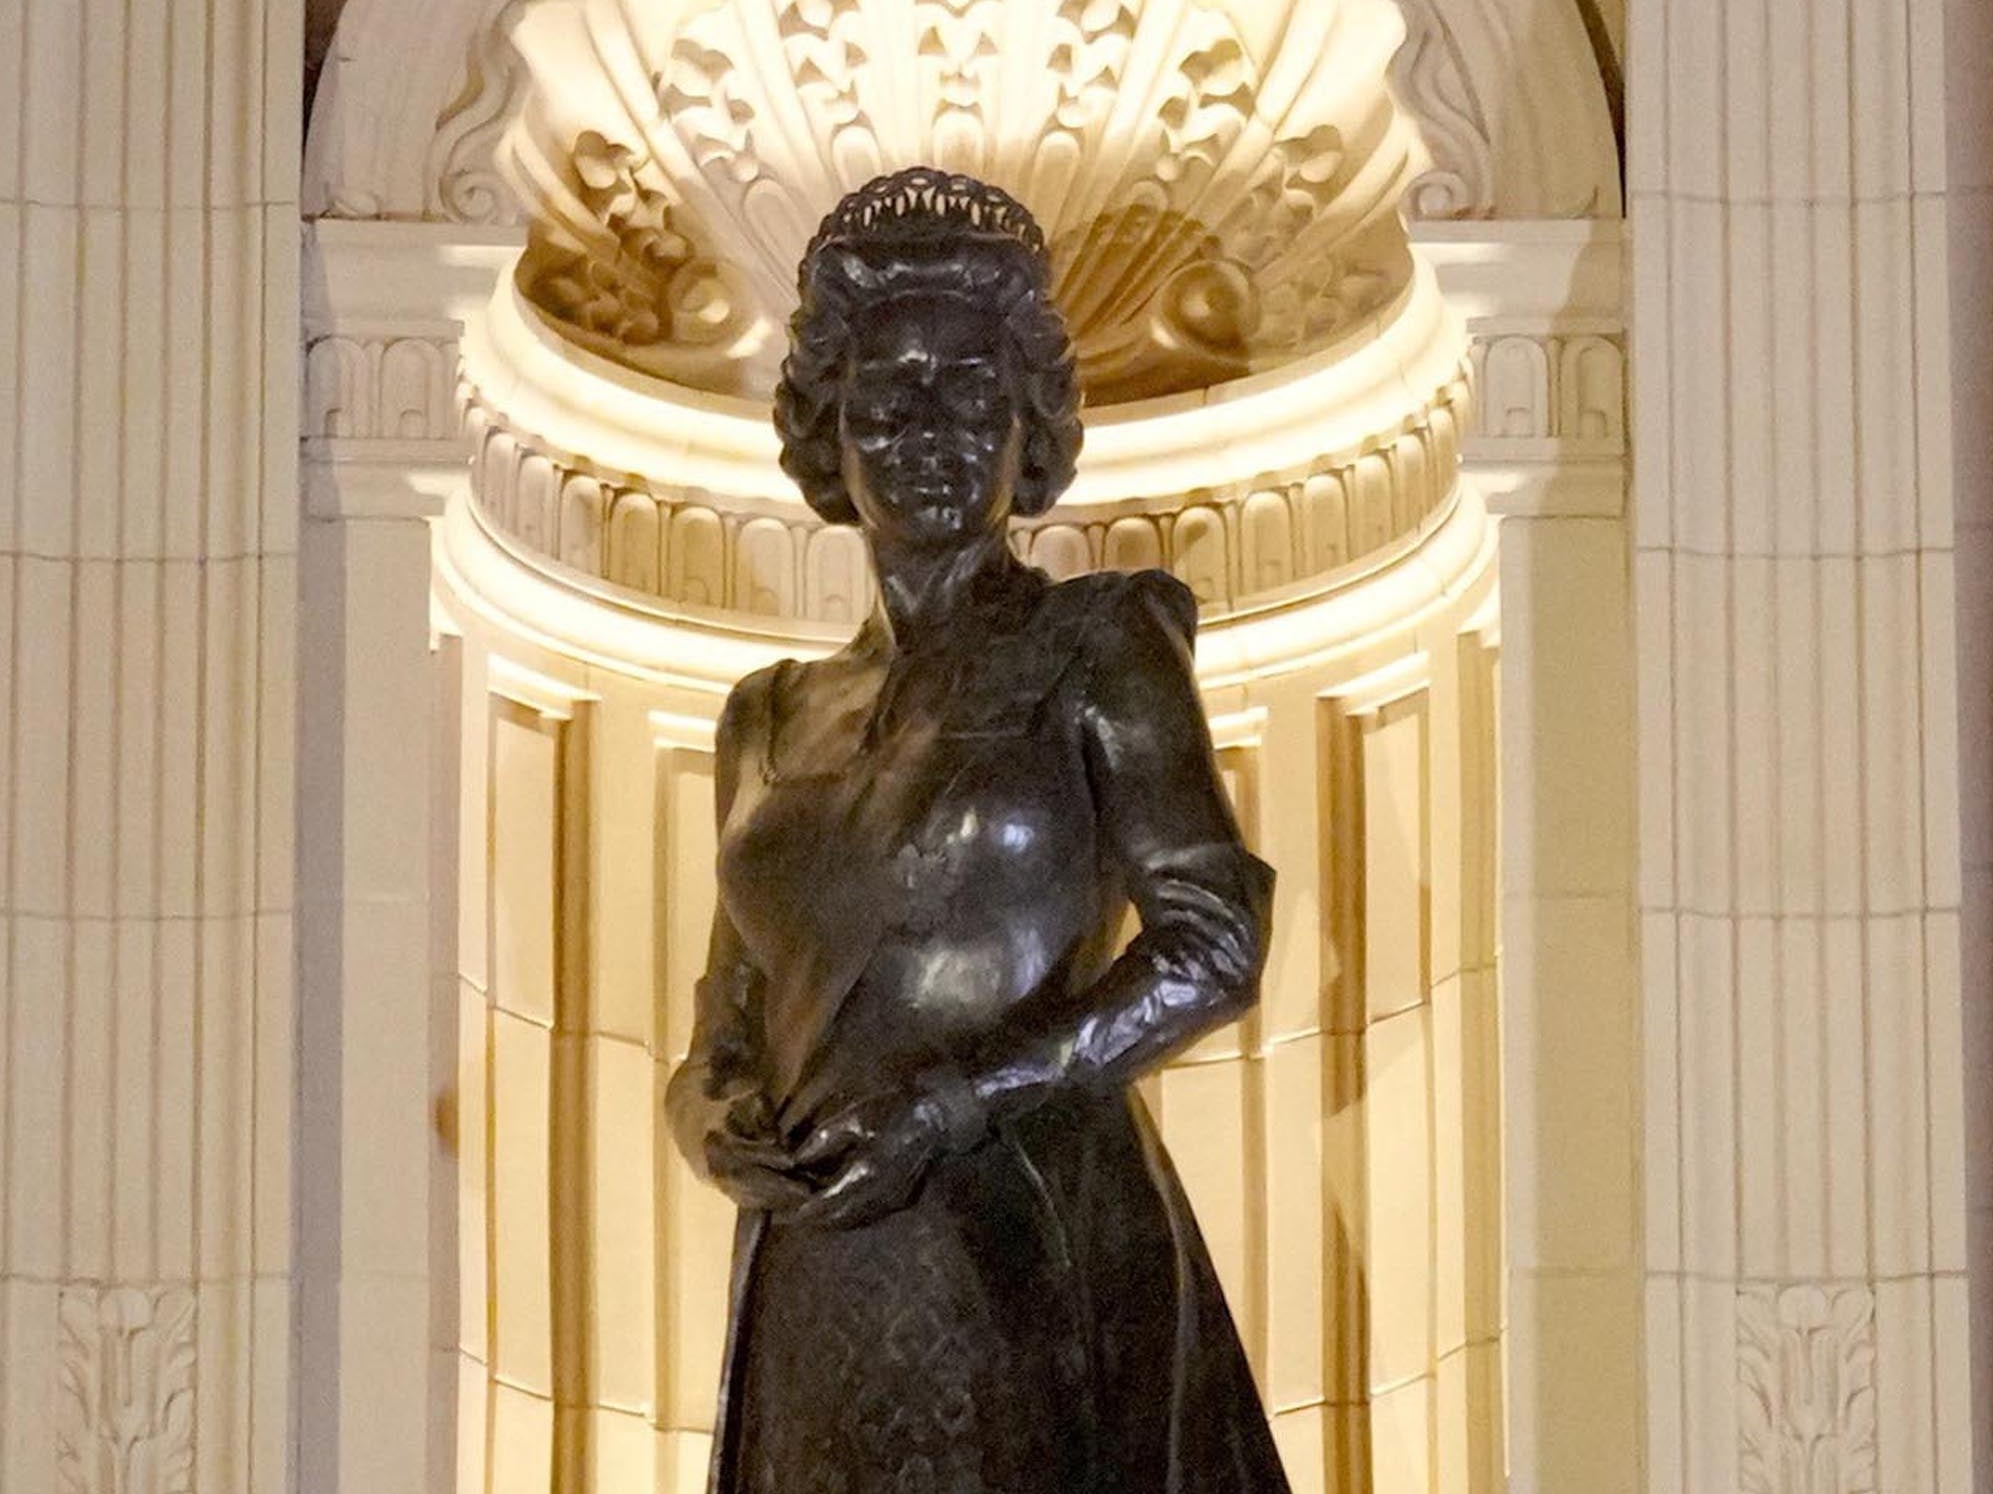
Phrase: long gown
x=927 y=854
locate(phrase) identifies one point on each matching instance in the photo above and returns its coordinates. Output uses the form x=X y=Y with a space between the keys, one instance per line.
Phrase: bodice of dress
x=912 y=853
x=927 y=856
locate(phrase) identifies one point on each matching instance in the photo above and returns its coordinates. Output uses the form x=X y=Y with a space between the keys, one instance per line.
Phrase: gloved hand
x=729 y=1136
x=870 y=1155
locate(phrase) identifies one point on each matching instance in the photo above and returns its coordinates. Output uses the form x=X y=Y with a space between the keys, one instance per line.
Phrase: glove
x=729 y=1137
x=870 y=1157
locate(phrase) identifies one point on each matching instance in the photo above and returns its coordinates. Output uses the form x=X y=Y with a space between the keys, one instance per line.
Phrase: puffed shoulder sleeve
x=1167 y=823
x=1204 y=899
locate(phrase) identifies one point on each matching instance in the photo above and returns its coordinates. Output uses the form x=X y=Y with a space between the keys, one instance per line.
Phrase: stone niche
x=1277 y=396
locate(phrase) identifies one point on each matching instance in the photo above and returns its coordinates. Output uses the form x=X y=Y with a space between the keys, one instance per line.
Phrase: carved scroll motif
x=1806 y=1390
x=1432 y=80
x=125 y=1403
x=462 y=185
x=1200 y=230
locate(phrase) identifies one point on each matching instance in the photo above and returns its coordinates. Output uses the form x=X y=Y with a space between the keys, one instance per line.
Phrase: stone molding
x=1250 y=541
x=380 y=388
x=1540 y=387
x=384 y=309
x=705 y=650
x=1547 y=346
x=1544 y=308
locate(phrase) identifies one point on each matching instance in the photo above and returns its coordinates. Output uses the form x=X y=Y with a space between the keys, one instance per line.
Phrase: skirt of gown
x=1043 y=1319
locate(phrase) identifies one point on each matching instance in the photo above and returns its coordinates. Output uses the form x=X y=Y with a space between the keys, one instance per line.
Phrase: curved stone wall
x=1253 y=542
x=628 y=547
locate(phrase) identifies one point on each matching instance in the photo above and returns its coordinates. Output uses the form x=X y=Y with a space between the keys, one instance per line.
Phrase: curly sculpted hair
x=921 y=232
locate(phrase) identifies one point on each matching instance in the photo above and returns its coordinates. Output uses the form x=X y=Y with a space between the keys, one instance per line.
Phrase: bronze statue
x=964 y=1263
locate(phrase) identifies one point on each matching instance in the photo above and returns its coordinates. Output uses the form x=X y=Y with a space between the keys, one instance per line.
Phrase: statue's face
x=930 y=426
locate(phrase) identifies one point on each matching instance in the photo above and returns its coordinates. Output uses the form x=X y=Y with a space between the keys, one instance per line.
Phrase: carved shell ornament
x=1219 y=183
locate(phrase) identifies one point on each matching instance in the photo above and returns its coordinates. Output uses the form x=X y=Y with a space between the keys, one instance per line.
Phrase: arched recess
x=398 y=162
x=1517 y=100
x=1515 y=107
x=321 y=24
x=410 y=101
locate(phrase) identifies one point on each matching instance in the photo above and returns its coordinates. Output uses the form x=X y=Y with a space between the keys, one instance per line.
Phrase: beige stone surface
x=1794 y=519
x=1669 y=1074
x=147 y=544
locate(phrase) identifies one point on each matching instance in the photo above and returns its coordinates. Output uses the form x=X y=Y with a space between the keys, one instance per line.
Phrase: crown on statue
x=922 y=202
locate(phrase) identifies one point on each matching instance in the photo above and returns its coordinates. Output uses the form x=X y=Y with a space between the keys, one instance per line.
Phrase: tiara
x=921 y=201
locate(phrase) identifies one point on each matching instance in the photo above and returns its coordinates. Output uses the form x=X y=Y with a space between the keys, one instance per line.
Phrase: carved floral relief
x=125 y=1398
x=1212 y=209
x=1806 y=1390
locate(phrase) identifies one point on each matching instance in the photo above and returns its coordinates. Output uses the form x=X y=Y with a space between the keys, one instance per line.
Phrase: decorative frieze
x=1534 y=387
x=124 y=1410
x=1257 y=538
x=1517 y=120
x=1219 y=197
x=381 y=389
x=1806 y=1396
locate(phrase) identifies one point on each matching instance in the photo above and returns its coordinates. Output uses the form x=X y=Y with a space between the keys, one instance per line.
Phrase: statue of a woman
x=965 y=1264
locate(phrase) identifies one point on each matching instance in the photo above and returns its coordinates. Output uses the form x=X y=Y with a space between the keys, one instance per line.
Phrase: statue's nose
x=929 y=417
x=927 y=430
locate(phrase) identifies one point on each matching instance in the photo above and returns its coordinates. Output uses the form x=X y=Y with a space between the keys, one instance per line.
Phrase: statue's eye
x=882 y=404
x=975 y=394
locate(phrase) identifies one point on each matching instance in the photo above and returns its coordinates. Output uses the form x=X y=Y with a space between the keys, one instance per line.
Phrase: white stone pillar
x=1544 y=304
x=148 y=533
x=1799 y=877
x=379 y=1117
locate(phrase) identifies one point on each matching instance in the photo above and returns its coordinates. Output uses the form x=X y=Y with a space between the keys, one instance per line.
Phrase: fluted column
x=1799 y=843
x=148 y=334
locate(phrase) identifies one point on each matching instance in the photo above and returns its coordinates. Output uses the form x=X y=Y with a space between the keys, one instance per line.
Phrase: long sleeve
x=723 y=1063
x=1203 y=898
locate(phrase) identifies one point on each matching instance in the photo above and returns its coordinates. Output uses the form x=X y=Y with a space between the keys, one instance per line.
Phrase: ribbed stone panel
x=148 y=345
x=1794 y=590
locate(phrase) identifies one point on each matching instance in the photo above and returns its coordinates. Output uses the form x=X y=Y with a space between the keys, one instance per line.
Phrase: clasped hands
x=860 y=1161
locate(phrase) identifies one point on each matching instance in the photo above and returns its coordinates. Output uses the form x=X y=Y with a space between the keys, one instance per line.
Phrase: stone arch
x=416 y=98
x=408 y=103
x=1518 y=101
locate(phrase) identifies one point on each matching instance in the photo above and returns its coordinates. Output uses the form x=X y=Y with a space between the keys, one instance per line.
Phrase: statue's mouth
x=927 y=475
